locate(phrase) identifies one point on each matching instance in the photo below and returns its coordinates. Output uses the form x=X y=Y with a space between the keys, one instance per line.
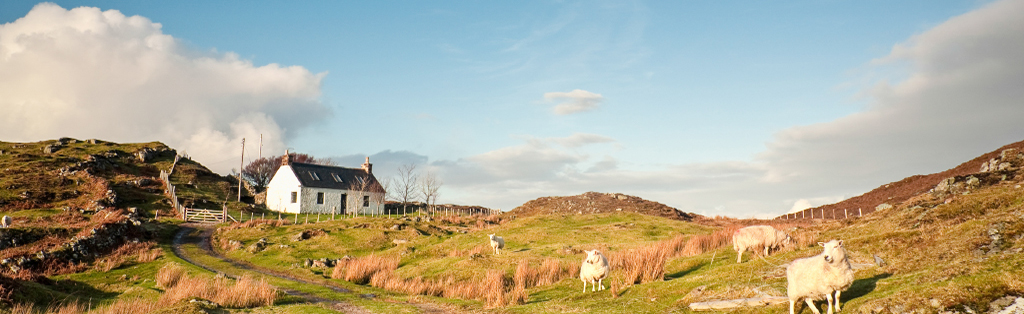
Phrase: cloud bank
x=88 y=73
x=576 y=101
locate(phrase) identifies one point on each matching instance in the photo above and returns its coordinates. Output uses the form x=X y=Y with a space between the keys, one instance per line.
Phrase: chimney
x=286 y=160
x=367 y=166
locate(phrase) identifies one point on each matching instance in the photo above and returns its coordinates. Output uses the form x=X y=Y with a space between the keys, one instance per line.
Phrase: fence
x=822 y=213
x=169 y=188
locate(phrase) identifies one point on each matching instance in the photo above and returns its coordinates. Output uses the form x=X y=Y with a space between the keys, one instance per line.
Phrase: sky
x=732 y=108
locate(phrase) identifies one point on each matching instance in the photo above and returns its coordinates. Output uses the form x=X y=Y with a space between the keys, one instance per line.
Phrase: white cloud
x=88 y=73
x=576 y=101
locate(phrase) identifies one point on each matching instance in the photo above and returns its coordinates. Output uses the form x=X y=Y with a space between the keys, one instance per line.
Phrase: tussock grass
x=243 y=293
x=169 y=275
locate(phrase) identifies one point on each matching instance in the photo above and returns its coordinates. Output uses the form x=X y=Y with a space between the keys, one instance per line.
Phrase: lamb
x=757 y=237
x=812 y=278
x=594 y=269
x=497 y=243
x=6 y=222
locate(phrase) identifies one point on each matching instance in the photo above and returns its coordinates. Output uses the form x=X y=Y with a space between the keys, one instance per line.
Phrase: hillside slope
x=595 y=203
x=1001 y=161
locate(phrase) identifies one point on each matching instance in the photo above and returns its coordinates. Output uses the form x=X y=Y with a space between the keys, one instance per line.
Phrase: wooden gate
x=204 y=215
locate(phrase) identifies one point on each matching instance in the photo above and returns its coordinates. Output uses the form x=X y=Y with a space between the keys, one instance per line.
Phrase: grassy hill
x=944 y=249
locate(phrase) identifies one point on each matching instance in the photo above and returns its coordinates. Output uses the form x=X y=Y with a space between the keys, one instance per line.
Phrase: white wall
x=279 y=191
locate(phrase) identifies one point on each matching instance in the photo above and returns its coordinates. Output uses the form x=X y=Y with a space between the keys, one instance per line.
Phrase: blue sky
x=695 y=91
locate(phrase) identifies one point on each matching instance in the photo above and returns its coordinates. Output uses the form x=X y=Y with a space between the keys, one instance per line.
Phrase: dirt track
x=202 y=240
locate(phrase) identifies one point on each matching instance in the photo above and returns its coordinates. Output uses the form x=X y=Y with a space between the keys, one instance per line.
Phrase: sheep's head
x=833 y=250
x=593 y=257
x=491 y=236
x=788 y=241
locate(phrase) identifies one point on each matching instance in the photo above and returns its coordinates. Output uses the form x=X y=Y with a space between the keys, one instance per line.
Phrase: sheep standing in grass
x=6 y=222
x=758 y=237
x=815 y=277
x=497 y=243
x=594 y=269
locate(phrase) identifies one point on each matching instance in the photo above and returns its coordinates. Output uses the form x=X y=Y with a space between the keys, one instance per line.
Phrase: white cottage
x=309 y=188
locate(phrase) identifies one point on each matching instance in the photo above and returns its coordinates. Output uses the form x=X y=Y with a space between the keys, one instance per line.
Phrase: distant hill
x=595 y=202
x=1003 y=161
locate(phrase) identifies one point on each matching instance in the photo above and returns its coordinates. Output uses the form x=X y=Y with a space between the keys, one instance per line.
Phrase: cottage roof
x=331 y=177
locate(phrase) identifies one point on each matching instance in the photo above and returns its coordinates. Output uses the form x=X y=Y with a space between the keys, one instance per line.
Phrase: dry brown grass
x=242 y=293
x=640 y=265
x=140 y=252
x=361 y=269
x=127 y=306
x=253 y=223
x=476 y=250
x=169 y=275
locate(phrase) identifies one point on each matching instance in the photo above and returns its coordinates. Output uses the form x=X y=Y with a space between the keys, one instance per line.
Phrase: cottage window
x=315 y=177
x=295 y=197
x=320 y=197
x=366 y=201
x=336 y=177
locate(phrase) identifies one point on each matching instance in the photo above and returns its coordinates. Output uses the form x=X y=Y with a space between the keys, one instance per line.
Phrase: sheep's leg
x=837 y=301
x=739 y=255
x=813 y=308
x=584 y=286
x=766 y=251
x=792 y=304
x=593 y=286
x=600 y=284
x=828 y=297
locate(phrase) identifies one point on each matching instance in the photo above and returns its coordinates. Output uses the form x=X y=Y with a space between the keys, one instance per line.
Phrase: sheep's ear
x=840 y=243
x=821 y=243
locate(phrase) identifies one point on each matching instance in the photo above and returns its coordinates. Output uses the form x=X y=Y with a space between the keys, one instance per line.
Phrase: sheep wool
x=816 y=277
x=6 y=222
x=594 y=269
x=757 y=238
x=497 y=243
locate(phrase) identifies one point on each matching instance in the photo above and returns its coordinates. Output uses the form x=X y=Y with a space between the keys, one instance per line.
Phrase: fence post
x=860 y=212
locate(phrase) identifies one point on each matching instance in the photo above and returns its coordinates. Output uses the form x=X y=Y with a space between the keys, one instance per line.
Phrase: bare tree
x=405 y=186
x=429 y=186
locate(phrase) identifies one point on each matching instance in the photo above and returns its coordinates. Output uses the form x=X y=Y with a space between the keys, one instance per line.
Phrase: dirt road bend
x=188 y=235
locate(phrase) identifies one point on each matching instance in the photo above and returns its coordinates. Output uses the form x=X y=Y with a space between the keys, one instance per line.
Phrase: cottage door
x=344 y=200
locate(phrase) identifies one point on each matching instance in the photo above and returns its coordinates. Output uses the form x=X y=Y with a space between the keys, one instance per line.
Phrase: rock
x=879 y=261
x=399 y=241
x=397 y=227
x=300 y=236
x=257 y=247
x=368 y=296
x=145 y=154
x=307 y=263
x=319 y=264
x=973 y=182
x=882 y=207
x=1003 y=166
x=92 y=141
x=1007 y=305
x=50 y=149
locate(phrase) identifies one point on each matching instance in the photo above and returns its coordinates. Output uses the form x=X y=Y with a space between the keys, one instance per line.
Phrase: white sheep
x=758 y=237
x=497 y=243
x=812 y=278
x=594 y=269
x=6 y=222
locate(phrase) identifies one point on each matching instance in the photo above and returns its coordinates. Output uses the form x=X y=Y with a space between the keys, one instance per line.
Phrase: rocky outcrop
x=84 y=247
x=595 y=202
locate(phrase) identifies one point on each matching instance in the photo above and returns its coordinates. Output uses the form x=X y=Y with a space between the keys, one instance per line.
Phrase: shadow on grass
x=680 y=274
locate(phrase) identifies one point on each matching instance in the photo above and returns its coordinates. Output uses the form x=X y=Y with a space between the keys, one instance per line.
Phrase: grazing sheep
x=757 y=237
x=594 y=269
x=6 y=223
x=497 y=243
x=812 y=278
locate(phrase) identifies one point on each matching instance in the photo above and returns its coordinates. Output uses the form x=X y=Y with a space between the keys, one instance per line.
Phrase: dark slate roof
x=331 y=177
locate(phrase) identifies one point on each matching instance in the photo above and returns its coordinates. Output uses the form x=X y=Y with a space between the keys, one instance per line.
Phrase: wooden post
x=846 y=214
x=296 y=219
x=241 y=163
x=307 y=219
x=859 y=212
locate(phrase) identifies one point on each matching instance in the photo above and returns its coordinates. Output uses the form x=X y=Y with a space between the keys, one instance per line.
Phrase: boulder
x=258 y=246
x=50 y=149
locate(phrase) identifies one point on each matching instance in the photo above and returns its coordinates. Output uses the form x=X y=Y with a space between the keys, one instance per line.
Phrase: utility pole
x=241 y=163
x=261 y=147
